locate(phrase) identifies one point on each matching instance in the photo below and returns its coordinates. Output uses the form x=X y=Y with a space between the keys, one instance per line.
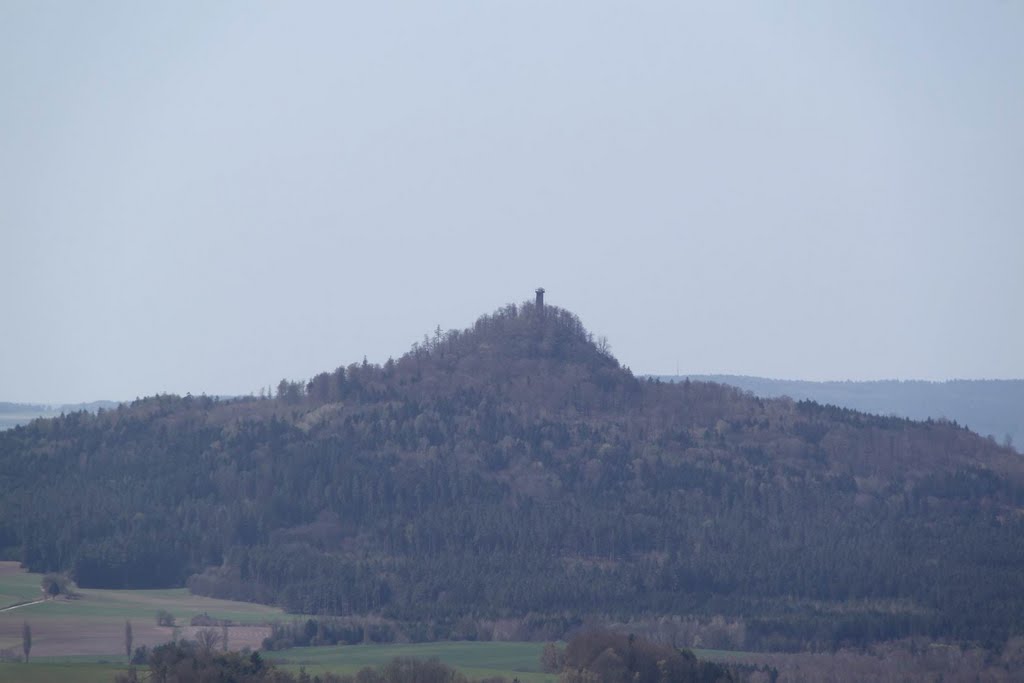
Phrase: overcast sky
x=210 y=197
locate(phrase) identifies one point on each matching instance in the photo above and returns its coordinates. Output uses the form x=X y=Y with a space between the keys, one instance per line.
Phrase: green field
x=17 y=586
x=143 y=605
x=474 y=659
x=93 y=624
x=59 y=672
x=83 y=640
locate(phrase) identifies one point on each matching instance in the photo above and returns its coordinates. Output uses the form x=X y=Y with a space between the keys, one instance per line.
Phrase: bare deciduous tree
x=208 y=639
x=552 y=658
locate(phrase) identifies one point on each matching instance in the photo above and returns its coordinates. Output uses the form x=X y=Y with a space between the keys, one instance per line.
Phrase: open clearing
x=82 y=640
x=17 y=585
x=512 y=660
x=59 y=672
x=474 y=659
x=94 y=623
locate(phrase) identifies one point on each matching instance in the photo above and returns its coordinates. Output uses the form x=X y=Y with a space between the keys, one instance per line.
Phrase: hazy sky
x=209 y=197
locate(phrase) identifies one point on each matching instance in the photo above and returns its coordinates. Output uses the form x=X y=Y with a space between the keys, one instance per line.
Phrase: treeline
x=189 y=662
x=607 y=657
x=591 y=657
x=325 y=631
x=517 y=469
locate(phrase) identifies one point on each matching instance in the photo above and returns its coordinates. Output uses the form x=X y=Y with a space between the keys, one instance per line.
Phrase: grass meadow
x=60 y=672
x=474 y=659
x=17 y=586
x=82 y=640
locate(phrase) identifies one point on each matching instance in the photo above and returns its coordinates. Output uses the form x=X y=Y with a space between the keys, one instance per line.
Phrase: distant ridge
x=14 y=414
x=990 y=407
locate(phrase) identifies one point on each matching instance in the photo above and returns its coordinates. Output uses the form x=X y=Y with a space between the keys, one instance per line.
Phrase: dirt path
x=21 y=604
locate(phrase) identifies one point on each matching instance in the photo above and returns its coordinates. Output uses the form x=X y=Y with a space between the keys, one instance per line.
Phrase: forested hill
x=517 y=468
x=990 y=407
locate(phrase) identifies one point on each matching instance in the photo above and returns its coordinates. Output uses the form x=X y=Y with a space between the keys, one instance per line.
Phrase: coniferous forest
x=516 y=469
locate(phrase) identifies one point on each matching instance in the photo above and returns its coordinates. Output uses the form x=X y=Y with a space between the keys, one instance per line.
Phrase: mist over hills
x=990 y=407
x=516 y=470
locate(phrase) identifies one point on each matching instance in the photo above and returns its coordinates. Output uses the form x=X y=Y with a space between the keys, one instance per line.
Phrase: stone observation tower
x=540 y=300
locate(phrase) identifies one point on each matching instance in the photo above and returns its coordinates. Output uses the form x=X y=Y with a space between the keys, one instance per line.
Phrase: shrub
x=141 y=655
x=54 y=584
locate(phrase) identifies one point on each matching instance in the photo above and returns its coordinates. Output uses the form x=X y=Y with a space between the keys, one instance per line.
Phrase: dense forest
x=516 y=469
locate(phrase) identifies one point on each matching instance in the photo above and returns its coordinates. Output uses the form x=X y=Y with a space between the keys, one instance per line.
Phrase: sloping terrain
x=990 y=407
x=517 y=469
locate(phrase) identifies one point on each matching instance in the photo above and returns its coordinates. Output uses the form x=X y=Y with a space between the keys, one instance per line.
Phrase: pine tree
x=26 y=639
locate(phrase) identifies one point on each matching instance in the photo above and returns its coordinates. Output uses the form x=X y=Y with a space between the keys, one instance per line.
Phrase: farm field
x=94 y=623
x=16 y=585
x=60 y=672
x=474 y=659
x=82 y=640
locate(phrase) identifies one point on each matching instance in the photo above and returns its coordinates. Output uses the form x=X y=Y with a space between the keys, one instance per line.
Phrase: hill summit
x=515 y=470
x=538 y=356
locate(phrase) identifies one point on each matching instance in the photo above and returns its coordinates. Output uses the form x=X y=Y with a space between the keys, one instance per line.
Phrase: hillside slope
x=990 y=407
x=516 y=468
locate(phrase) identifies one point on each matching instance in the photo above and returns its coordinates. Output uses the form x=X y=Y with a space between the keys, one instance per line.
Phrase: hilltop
x=515 y=470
